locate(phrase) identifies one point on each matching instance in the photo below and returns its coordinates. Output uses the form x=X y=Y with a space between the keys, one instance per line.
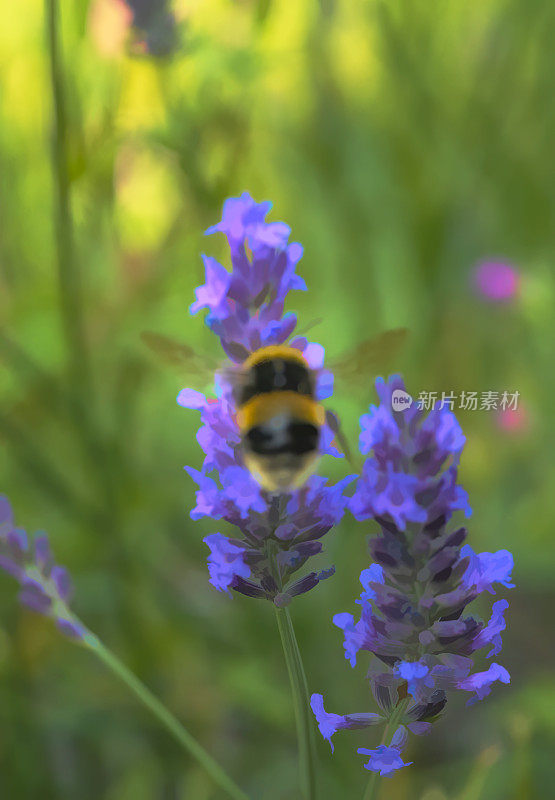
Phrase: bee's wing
x=334 y=423
x=369 y=356
x=359 y=367
x=182 y=357
x=308 y=327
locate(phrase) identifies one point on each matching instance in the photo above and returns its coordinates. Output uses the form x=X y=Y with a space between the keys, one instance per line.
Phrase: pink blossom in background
x=513 y=420
x=496 y=281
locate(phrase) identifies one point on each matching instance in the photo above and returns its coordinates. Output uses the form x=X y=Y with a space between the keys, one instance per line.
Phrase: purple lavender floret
x=246 y=306
x=481 y=682
x=275 y=535
x=329 y=723
x=415 y=594
x=225 y=562
x=384 y=760
x=46 y=587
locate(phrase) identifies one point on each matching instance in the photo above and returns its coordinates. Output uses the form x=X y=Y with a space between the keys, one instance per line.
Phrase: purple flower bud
x=399 y=738
x=70 y=628
x=422 y=712
x=62 y=582
x=34 y=596
x=43 y=553
x=305 y=584
x=6 y=514
x=420 y=728
x=248 y=588
x=17 y=542
x=11 y=567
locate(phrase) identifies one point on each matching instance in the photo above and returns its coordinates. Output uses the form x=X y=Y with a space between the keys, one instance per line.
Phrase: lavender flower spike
x=45 y=586
x=274 y=535
x=415 y=594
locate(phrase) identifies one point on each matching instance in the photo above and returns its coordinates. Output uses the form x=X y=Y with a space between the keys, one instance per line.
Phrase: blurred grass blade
x=69 y=278
x=263 y=8
x=178 y=731
x=478 y=776
x=45 y=473
x=21 y=362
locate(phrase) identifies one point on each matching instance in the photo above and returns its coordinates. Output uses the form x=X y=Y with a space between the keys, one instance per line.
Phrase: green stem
x=68 y=272
x=303 y=717
x=80 y=390
x=390 y=728
x=181 y=734
x=103 y=455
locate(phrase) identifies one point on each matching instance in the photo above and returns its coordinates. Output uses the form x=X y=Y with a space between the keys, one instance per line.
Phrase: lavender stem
x=299 y=689
x=389 y=730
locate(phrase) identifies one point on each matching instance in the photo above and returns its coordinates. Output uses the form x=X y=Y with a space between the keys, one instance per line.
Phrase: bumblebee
x=274 y=389
x=278 y=417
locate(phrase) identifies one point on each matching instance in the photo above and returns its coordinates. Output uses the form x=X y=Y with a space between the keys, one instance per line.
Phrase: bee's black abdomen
x=305 y=437
x=294 y=438
x=276 y=375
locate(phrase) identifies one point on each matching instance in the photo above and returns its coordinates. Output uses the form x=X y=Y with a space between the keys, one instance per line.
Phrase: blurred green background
x=404 y=142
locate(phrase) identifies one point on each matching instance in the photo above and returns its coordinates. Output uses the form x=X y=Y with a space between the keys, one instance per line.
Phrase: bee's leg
x=332 y=421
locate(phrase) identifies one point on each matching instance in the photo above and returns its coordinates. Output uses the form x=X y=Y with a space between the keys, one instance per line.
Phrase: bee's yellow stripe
x=263 y=407
x=272 y=352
